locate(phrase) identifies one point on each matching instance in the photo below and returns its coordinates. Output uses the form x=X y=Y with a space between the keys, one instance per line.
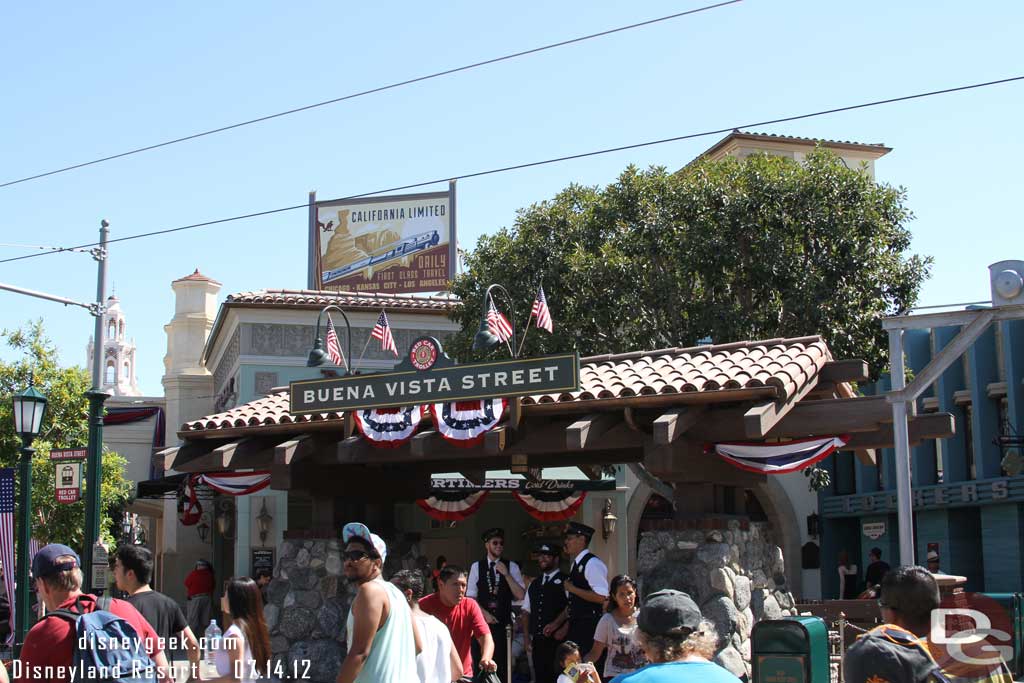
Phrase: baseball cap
x=666 y=611
x=360 y=530
x=546 y=549
x=932 y=555
x=45 y=561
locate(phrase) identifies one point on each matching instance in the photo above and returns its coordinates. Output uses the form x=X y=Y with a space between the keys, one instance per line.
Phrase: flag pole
x=365 y=346
x=522 y=342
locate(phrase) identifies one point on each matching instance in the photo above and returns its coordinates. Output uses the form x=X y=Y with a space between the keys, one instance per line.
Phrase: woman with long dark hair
x=616 y=628
x=244 y=650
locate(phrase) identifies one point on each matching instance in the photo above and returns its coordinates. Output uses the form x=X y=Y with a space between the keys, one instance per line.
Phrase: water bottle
x=212 y=639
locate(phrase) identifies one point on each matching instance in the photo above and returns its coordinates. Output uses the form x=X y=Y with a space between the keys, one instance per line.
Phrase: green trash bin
x=790 y=650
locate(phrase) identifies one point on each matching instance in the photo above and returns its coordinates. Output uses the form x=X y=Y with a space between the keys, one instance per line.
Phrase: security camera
x=1007 y=280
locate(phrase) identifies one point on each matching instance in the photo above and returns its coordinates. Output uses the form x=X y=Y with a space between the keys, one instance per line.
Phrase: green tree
x=64 y=426
x=735 y=249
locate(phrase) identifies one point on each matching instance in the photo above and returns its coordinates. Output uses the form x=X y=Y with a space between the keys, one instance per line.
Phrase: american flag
x=333 y=347
x=382 y=333
x=498 y=324
x=7 y=536
x=540 y=310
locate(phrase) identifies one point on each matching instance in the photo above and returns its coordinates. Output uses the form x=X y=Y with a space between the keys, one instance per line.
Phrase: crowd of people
x=580 y=628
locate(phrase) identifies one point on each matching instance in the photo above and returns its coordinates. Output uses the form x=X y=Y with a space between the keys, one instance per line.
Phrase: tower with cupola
x=118 y=376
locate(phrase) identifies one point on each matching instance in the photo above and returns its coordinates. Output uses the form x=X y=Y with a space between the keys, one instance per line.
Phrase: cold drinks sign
x=439 y=382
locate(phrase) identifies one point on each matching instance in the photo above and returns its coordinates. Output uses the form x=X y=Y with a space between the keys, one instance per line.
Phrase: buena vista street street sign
x=426 y=375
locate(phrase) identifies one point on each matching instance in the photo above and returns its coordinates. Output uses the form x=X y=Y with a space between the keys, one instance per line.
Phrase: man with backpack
x=116 y=635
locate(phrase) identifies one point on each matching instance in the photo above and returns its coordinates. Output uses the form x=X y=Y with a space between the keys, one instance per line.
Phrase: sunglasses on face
x=354 y=555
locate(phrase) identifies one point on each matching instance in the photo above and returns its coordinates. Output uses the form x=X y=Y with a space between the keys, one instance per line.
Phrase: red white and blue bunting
x=454 y=506
x=389 y=427
x=464 y=423
x=551 y=506
x=234 y=483
x=778 y=458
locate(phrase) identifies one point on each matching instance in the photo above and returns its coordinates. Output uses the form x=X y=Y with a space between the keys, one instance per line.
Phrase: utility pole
x=94 y=458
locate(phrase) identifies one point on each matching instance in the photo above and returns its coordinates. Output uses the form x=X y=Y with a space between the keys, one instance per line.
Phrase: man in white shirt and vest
x=587 y=585
x=544 y=614
x=495 y=583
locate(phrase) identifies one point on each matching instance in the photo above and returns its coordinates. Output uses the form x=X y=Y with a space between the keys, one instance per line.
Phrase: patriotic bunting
x=498 y=324
x=389 y=427
x=234 y=483
x=778 y=458
x=551 y=506
x=189 y=508
x=452 y=507
x=464 y=423
x=541 y=313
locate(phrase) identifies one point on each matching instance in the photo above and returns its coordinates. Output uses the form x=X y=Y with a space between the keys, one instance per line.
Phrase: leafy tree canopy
x=65 y=425
x=733 y=250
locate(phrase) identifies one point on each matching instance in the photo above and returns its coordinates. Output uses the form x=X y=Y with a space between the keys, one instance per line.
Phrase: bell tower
x=118 y=372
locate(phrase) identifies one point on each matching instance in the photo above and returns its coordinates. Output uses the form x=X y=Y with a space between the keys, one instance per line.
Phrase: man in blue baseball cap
x=56 y=570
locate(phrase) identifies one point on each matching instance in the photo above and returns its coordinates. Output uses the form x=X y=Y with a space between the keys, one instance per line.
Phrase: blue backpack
x=113 y=651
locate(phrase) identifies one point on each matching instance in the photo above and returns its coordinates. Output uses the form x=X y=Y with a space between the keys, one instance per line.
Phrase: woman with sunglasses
x=244 y=651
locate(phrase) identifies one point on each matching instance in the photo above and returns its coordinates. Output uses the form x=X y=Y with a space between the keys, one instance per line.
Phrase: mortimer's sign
x=408 y=385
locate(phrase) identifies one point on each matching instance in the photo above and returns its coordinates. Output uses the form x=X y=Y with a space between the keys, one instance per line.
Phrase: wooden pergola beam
x=293 y=450
x=586 y=432
x=241 y=454
x=672 y=424
x=928 y=426
x=853 y=370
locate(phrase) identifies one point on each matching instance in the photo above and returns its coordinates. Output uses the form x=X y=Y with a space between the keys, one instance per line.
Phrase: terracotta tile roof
x=787 y=364
x=306 y=298
x=797 y=138
x=872 y=147
x=196 y=277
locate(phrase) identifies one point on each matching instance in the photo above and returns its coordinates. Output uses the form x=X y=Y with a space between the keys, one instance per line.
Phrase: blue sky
x=87 y=80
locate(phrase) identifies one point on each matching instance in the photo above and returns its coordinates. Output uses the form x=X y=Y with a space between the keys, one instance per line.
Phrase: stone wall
x=307 y=606
x=736 y=575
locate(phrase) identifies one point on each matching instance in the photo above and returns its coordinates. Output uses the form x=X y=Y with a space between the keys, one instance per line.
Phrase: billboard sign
x=397 y=244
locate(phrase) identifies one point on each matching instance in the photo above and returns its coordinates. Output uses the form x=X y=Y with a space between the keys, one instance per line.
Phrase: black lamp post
x=485 y=339
x=317 y=356
x=29 y=410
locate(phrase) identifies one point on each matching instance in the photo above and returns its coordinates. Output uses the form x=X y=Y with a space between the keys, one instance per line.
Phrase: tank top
x=245 y=665
x=393 y=652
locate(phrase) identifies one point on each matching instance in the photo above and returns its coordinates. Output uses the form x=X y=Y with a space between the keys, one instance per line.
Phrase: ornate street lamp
x=608 y=520
x=29 y=410
x=485 y=339
x=263 y=521
x=203 y=529
x=317 y=356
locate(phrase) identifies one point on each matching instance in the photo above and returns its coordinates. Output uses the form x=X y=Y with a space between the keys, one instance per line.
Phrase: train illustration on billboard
x=394 y=250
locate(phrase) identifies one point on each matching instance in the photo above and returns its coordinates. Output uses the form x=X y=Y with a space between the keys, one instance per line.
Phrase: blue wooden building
x=968 y=497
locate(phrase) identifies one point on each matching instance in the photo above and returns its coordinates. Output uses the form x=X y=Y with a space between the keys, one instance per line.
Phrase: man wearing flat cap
x=677 y=641
x=495 y=583
x=587 y=585
x=544 y=614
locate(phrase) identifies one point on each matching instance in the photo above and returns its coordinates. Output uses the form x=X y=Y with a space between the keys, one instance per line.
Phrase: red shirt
x=51 y=642
x=465 y=621
x=199 y=581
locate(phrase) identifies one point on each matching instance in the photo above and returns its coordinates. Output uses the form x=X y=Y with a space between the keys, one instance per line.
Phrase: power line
x=531 y=164
x=382 y=88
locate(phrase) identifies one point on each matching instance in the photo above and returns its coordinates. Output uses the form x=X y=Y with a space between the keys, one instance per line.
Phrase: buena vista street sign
x=426 y=375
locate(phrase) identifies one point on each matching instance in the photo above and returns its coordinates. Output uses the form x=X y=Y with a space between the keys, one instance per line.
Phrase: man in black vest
x=495 y=583
x=544 y=614
x=587 y=585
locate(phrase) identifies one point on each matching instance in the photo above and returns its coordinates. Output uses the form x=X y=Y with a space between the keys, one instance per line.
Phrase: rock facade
x=307 y=606
x=736 y=575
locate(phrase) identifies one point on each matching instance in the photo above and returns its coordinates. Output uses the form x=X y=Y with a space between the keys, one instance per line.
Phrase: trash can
x=790 y=650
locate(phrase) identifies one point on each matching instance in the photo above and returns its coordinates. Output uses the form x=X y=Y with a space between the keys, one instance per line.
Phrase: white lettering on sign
x=873 y=530
x=517 y=377
x=551 y=370
x=308 y=396
x=968 y=493
x=500 y=379
x=999 y=490
x=534 y=375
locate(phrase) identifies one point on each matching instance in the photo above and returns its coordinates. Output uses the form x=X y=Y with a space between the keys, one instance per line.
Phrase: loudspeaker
x=1007 y=280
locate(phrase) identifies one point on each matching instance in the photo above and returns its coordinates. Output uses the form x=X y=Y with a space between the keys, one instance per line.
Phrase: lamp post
x=485 y=339
x=317 y=356
x=29 y=410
